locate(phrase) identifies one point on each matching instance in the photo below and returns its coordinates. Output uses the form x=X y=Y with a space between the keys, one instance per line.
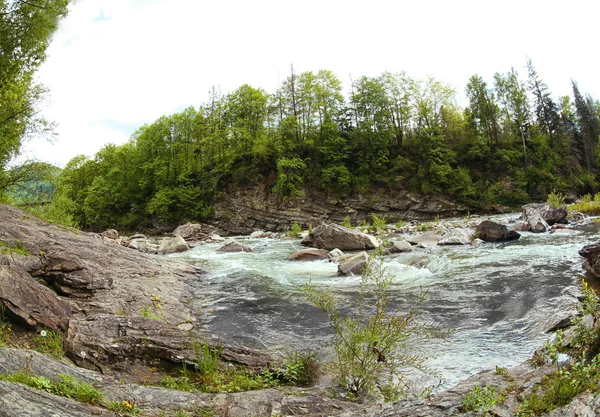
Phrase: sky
x=115 y=65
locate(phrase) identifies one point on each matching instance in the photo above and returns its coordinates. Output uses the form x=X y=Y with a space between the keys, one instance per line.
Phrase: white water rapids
x=498 y=298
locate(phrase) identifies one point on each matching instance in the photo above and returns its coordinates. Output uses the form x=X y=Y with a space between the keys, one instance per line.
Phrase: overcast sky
x=117 y=64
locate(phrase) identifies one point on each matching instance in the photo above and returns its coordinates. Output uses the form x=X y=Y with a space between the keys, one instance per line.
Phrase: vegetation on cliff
x=514 y=142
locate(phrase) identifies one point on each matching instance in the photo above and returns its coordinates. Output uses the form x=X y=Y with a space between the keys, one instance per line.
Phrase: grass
x=67 y=386
x=50 y=342
x=480 y=399
x=149 y=311
x=123 y=408
x=294 y=231
x=17 y=247
x=587 y=205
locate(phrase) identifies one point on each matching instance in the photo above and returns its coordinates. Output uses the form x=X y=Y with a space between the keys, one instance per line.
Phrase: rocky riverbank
x=99 y=294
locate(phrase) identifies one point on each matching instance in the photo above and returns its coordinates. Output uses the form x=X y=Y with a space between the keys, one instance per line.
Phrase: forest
x=513 y=143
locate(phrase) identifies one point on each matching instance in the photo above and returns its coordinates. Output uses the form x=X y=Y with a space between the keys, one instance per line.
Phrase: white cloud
x=145 y=59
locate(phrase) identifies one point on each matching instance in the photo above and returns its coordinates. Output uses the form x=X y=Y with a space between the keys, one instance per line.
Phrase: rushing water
x=497 y=297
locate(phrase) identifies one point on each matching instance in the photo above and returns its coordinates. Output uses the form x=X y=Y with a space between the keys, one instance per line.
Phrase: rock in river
x=331 y=236
x=490 y=231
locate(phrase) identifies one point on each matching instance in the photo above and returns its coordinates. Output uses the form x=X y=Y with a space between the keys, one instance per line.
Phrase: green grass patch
x=50 y=342
x=480 y=399
x=67 y=386
x=17 y=247
x=294 y=231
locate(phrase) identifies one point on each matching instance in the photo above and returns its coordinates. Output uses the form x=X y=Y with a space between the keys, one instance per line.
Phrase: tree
x=483 y=109
x=589 y=125
x=25 y=31
x=545 y=107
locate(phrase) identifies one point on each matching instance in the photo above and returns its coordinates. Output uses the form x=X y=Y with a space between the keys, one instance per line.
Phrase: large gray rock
x=32 y=302
x=398 y=246
x=424 y=239
x=173 y=245
x=490 y=231
x=331 y=236
x=190 y=231
x=232 y=245
x=309 y=255
x=142 y=244
x=548 y=214
x=335 y=255
x=353 y=264
x=457 y=237
x=537 y=224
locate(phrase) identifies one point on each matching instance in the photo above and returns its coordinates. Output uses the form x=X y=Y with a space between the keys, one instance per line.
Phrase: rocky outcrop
x=309 y=255
x=98 y=291
x=243 y=210
x=332 y=236
x=232 y=245
x=30 y=301
x=545 y=212
x=490 y=231
x=457 y=237
x=353 y=264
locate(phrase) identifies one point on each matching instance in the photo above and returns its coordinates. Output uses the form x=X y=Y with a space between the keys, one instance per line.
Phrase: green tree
x=25 y=31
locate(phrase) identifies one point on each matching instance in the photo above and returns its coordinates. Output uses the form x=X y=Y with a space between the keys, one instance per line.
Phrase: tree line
x=514 y=142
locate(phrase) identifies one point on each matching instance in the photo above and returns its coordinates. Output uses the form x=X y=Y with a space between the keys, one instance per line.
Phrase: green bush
x=555 y=200
x=294 y=231
x=373 y=338
x=480 y=400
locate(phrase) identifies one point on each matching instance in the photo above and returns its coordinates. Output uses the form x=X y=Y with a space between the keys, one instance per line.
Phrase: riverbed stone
x=332 y=236
x=335 y=255
x=398 y=246
x=459 y=236
x=424 y=239
x=490 y=231
x=548 y=214
x=232 y=245
x=173 y=245
x=309 y=255
x=190 y=231
x=353 y=264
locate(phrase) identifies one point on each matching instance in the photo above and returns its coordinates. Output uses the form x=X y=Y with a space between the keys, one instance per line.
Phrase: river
x=497 y=298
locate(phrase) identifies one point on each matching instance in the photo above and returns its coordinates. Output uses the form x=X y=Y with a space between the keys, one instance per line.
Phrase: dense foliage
x=26 y=28
x=514 y=142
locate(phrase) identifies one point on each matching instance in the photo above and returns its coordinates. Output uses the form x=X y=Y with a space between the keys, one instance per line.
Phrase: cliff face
x=242 y=210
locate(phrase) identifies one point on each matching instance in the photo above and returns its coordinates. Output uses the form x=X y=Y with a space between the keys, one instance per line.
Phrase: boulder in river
x=232 y=245
x=398 y=246
x=457 y=237
x=331 y=236
x=309 y=255
x=537 y=224
x=173 y=245
x=546 y=212
x=190 y=231
x=424 y=239
x=335 y=255
x=490 y=231
x=353 y=264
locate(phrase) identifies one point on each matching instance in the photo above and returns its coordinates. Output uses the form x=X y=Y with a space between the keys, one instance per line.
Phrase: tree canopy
x=513 y=143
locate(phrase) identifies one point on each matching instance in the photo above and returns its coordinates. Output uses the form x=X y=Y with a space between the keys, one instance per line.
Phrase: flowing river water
x=497 y=298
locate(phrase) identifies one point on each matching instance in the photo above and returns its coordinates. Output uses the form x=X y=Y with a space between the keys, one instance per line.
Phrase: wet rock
x=490 y=231
x=32 y=302
x=457 y=237
x=232 y=245
x=173 y=245
x=332 y=236
x=398 y=246
x=545 y=212
x=353 y=264
x=424 y=239
x=309 y=255
x=335 y=255
x=259 y=234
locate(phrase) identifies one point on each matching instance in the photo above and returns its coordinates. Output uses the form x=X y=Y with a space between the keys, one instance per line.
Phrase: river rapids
x=498 y=299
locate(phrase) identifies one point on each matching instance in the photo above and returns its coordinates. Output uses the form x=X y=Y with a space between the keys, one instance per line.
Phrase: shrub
x=556 y=200
x=373 y=338
x=377 y=223
x=294 y=230
x=347 y=222
x=302 y=368
x=480 y=400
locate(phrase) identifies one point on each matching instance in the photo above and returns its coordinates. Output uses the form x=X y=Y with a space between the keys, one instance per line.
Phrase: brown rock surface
x=309 y=255
x=332 y=236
